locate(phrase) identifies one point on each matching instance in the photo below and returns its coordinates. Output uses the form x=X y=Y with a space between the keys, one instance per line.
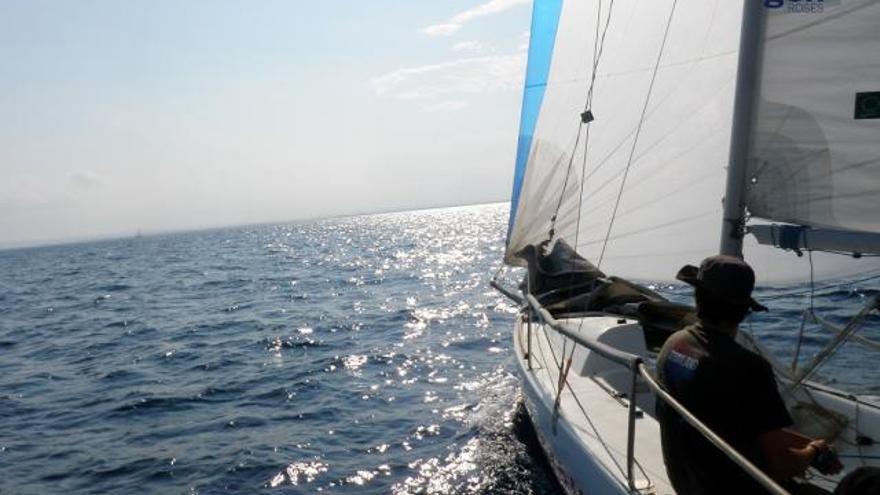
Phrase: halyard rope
x=598 y=48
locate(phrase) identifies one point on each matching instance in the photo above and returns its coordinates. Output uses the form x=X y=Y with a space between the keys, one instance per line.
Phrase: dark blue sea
x=355 y=355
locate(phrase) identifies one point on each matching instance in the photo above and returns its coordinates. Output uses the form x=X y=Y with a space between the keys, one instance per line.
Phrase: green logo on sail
x=868 y=105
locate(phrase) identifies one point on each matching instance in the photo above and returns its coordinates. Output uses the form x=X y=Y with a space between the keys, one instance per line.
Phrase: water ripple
x=351 y=355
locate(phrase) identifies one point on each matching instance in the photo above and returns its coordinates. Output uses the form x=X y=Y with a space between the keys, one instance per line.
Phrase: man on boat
x=730 y=389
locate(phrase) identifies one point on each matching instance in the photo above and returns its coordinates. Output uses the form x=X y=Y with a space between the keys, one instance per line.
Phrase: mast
x=748 y=68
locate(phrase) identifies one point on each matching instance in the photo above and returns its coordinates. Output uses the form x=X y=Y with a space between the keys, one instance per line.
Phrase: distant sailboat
x=649 y=131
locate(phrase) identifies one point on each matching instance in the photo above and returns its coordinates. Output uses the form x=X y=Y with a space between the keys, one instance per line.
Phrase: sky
x=152 y=116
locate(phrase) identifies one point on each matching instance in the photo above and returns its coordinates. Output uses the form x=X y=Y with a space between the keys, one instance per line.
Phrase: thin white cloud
x=86 y=179
x=525 y=37
x=19 y=193
x=465 y=76
x=442 y=29
x=488 y=8
x=468 y=46
x=456 y=22
x=446 y=106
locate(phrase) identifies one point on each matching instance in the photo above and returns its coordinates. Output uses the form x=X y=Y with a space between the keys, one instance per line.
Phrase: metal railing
x=637 y=368
x=843 y=335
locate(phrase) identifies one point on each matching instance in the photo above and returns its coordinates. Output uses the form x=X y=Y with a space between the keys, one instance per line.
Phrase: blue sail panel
x=545 y=21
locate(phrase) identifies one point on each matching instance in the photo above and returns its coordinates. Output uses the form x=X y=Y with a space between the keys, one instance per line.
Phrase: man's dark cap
x=725 y=277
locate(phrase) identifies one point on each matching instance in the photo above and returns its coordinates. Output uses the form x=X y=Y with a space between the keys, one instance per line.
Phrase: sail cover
x=815 y=158
x=636 y=184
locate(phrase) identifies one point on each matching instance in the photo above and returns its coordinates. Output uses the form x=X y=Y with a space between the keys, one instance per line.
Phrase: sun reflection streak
x=299 y=472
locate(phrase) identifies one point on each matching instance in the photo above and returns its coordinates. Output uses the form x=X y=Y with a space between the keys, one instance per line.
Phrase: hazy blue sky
x=157 y=115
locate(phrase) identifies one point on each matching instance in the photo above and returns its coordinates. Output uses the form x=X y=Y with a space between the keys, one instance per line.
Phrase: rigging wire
x=638 y=131
x=565 y=182
x=598 y=49
x=499 y=270
x=807 y=313
x=585 y=120
x=626 y=138
x=583 y=409
x=577 y=399
x=693 y=62
x=787 y=295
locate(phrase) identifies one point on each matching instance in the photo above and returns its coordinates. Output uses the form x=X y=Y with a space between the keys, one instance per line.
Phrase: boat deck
x=591 y=422
x=584 y=427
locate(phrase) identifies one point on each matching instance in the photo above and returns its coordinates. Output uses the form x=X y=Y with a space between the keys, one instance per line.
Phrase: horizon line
x=43 y=243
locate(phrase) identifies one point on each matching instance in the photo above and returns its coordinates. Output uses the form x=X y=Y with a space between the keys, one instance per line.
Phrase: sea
x=365 y=354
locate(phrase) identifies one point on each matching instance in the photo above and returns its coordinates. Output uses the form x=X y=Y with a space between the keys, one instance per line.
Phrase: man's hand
x=824 y=458
x=789 y=453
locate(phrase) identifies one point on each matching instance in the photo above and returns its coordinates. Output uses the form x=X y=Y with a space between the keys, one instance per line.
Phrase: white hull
x=585 y=437
x=589 y=460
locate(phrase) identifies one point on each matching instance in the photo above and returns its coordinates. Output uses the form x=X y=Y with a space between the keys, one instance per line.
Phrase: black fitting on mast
x=733 y=232
x=737 y=227
x=587 y=116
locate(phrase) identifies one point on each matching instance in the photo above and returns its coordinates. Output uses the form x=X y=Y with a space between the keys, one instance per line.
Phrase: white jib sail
x=670 y=206
x=639 y=189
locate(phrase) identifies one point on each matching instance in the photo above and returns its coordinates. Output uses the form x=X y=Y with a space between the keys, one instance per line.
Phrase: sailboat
x=653 y=134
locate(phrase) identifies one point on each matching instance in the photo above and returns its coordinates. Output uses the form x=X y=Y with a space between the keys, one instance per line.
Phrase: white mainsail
x=814 y=161
x=639 y=190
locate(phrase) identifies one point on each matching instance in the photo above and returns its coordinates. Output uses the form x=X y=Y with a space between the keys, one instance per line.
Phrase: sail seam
x=623 y=141
x=638 y=131
x=803 y=166
x=646 y=230
x=587 y=105
x=598 y=49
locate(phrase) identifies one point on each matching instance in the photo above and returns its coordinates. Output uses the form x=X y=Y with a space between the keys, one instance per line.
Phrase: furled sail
x=626 y=128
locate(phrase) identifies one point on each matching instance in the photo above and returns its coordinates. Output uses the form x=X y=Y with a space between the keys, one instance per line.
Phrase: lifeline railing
x=637 y=368
x=842 y=336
